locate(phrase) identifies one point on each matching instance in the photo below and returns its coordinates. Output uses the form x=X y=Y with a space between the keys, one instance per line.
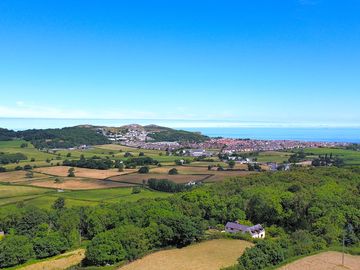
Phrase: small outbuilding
x=256 y=231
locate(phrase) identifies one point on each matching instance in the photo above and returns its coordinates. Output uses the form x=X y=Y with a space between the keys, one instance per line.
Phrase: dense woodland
x=303 y=211
x=96 y=162
x=56 y=138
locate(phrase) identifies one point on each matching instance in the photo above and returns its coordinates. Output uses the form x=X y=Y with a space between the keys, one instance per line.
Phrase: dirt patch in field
x=210 y=255
x=81 y=172
x=75 y=183
x=18 y=176
x=60 y=262
x=138 y=178
x=324 y=261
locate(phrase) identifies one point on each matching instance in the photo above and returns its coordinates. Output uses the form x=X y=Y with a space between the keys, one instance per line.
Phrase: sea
x=226 y=129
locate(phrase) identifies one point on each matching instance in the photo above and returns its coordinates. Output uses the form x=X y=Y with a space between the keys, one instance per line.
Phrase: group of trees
x=6 y=158
x=90 y=163
x=140 y=161
x=303 y=210
x=59 y=138
x=165 y=185
x=35 y=233
x=96 y=162
x=277 y=248
x=297 y=157
x=6 y=134
x=327 y=160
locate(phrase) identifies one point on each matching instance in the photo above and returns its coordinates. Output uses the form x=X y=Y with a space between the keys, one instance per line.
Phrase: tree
x=144 y=170
x=24 y=145
x=15 y=249
x=51 y=244
x=68 y=225
x=121 y=167
x=136 y=190
x=173 y=171
x=58 y=180
x=105 y=248
x=231 y=164
x=128 y=154
x=71 y=172
x=27 y=167
x=133 y=239
x=59 y=203
x=29 y=174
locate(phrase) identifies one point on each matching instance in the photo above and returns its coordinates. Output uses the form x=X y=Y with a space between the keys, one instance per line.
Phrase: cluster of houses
x=133 y=133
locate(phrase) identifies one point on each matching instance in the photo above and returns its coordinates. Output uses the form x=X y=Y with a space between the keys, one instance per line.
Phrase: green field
x=11 y=194
x=350 y=157
x=44 y=197
x=273 y=156
x=40 y=157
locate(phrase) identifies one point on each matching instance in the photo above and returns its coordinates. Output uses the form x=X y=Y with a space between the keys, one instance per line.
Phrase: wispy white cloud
x=21 y=109
x=178 y=118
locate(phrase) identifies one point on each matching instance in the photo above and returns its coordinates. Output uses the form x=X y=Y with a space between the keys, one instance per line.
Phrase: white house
x=256 y=231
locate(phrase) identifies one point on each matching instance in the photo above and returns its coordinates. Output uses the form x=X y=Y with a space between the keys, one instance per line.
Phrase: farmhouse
x=199 y=153
x=256 y=231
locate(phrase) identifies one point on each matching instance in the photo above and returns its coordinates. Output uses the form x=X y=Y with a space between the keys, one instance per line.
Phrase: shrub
x=144 y=170
x=136 y=190
x=173 y=171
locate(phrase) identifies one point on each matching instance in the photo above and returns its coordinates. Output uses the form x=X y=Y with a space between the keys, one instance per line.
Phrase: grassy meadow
x=350 y=157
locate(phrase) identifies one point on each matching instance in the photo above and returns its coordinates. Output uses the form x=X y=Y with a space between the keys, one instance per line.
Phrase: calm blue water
x=268 y=133
x=301 y=134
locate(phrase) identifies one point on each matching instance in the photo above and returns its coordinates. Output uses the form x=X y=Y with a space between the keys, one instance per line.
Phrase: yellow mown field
x=209 y=255
x=60 y=262
x=81 y=172
x=325 y=261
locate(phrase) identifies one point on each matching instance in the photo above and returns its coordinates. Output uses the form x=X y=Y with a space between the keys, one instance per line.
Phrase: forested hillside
x=6 y=134
x=56 y=138
x=303 y=211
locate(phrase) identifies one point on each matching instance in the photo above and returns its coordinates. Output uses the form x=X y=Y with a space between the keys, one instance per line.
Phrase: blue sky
x=293 y=61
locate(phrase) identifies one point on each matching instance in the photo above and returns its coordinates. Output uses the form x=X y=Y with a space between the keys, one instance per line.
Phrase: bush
x=27 y=167
x=173 y=171
x=71 y=172
x=144 y=170
x=136 y=190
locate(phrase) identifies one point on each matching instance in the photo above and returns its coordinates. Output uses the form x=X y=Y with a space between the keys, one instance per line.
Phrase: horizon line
x=197 y=123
